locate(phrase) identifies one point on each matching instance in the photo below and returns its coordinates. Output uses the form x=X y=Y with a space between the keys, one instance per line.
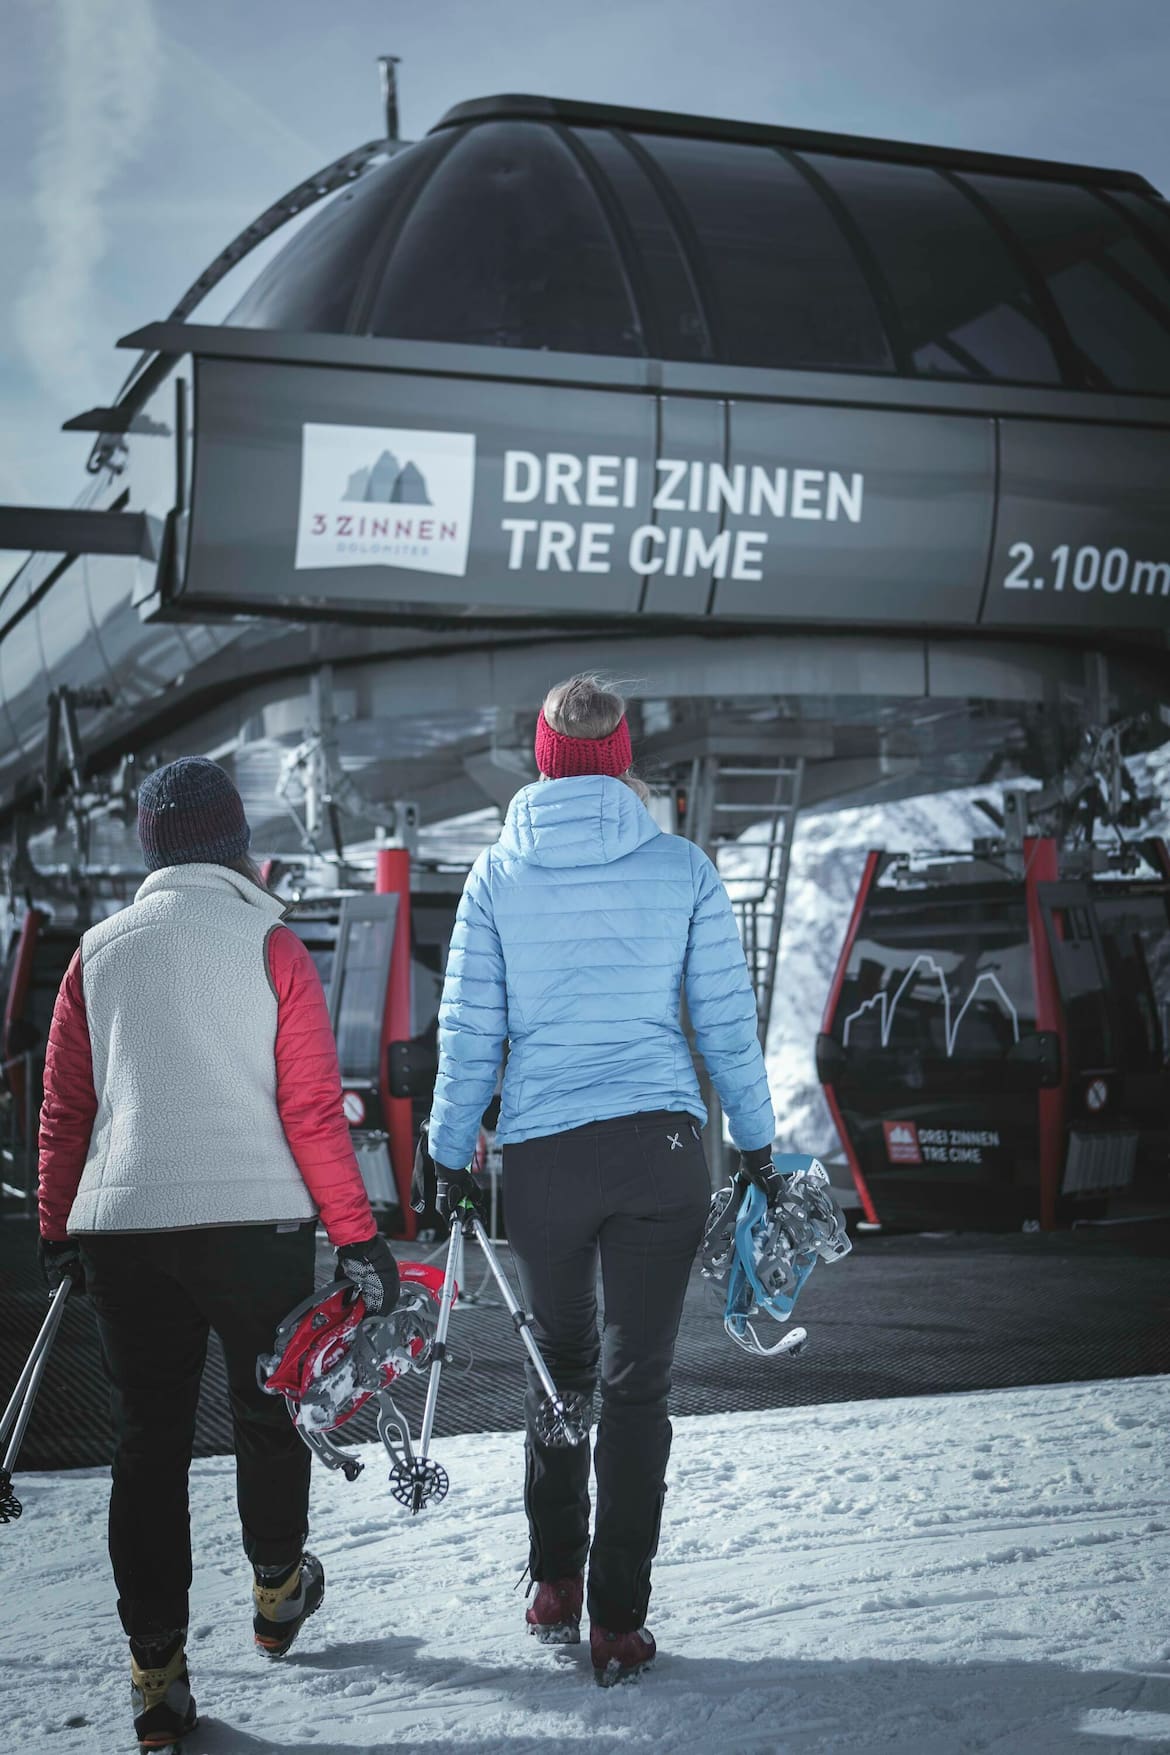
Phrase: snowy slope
x=927 y=1576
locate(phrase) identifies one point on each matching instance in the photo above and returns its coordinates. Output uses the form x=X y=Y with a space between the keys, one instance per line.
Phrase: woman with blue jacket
x=577 y=935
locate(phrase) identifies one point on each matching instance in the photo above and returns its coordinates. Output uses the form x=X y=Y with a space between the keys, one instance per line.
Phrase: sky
x=138 y=136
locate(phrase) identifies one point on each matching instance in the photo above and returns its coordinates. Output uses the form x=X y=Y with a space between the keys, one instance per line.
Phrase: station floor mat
x=902 y=1315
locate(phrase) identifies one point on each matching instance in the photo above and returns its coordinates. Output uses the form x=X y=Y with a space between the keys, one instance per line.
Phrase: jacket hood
x=231 y=885
x=590 y=819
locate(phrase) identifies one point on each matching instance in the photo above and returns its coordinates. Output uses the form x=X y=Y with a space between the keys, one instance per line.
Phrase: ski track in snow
x=929 y=1576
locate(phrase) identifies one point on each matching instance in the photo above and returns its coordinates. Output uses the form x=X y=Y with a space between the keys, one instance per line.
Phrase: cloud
x=106 y=62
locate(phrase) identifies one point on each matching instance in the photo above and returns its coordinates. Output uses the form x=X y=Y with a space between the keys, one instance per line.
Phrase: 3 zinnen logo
x=385 y=496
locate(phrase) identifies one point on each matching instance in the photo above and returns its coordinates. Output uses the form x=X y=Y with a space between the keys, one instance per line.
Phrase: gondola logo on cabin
x=385 y=496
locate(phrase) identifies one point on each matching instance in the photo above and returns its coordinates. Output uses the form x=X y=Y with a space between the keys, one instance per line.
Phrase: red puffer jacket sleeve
x=69 y=1108
x=308 y=1093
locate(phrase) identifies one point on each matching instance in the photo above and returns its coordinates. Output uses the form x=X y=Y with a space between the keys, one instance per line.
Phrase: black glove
x=435 y=1188
x=422 y=1178
x=757 y=1168
x=62 y=1261
x=372 y=1268
x=452 y=1187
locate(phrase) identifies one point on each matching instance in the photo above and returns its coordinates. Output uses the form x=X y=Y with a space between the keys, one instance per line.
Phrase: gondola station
x=853 y=453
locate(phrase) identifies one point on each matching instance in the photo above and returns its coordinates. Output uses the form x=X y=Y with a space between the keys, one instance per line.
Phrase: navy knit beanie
x=189 y=813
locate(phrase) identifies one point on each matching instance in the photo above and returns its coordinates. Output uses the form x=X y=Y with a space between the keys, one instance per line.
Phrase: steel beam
x=68 y=530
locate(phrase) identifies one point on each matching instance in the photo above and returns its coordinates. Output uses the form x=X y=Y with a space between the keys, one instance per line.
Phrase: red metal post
x=16 y=1065
x=1042 y=866
x=868 y=874
x=392 y=878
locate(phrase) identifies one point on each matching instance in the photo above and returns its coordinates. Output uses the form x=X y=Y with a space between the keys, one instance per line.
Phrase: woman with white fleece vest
x=191 y=1134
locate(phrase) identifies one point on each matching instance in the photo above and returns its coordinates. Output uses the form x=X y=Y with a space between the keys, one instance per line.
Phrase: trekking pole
x=422 y=1480
x=563 y=1420
x=19 y=1410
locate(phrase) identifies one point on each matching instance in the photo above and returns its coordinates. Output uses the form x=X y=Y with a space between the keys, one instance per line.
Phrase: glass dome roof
x=532 y=223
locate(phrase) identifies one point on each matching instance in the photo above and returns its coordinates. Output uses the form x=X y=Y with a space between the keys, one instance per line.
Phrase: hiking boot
x=285 y=1597
x=620 y=1657
x=160 y=1691
x=555 y=1614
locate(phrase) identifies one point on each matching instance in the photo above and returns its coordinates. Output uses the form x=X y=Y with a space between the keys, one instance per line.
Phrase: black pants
x=636 y=1192
x=157 y=1294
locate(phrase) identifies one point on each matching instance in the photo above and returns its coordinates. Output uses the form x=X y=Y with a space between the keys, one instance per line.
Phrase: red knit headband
x=559 y=756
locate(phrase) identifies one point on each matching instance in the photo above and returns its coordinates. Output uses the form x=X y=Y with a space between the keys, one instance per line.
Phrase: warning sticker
x=902 y=1142
x=1097 y=1095
x=354 y=1108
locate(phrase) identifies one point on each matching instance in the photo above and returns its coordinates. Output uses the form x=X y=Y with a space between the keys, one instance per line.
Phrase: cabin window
x=936 y=979
x=962 y=299
x=314 y=283
x=361 y=1000
x=787 y=289
x=1135 y=946
x=508 y=246
x=668 y=280
x=1112 y=295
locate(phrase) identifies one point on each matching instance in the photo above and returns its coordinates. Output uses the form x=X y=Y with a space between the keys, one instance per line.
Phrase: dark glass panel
x=682 y=328
x=789 y=289
x=1150 y=217
x=431 y=926
x=1087 y=1035
x=312 y=284
x=507 y=246
x=1113 y=296
x=362 y=998
x=962 y=299
x=933 y=977
x=1135 y=944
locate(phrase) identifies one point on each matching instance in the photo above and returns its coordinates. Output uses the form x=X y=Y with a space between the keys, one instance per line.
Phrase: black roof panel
x=533 y=223
x=519 y=106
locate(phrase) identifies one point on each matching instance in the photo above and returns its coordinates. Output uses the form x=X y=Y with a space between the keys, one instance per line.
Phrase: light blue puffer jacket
x=574 y=937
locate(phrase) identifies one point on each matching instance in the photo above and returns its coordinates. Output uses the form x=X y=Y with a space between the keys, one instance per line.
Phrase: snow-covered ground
x=931 y=1575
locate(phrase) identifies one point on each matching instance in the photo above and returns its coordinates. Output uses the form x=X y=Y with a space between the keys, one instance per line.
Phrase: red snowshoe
x=330 y=1358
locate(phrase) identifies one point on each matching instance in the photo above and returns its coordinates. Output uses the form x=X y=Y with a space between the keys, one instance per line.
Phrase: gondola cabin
x=386 y=1029
x=996 y=1043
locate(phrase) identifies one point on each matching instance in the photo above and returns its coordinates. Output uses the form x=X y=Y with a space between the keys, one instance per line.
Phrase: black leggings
x=156 y=1295
x=634 y=1191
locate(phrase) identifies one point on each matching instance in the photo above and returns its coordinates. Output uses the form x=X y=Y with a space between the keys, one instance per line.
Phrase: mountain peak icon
x=383 y=477
x=411 y=489
x=389 y=483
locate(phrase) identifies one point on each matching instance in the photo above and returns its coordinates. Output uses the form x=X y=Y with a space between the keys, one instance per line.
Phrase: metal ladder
x=732 y=793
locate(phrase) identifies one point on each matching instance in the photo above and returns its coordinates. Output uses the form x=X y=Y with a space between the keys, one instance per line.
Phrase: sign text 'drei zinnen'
x=674 y=487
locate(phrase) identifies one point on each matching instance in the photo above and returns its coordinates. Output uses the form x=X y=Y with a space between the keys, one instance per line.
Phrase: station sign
x=347 y=491
x=1083 y=533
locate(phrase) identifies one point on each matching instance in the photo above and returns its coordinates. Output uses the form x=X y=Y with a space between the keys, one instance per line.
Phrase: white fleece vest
x=182 y=1022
